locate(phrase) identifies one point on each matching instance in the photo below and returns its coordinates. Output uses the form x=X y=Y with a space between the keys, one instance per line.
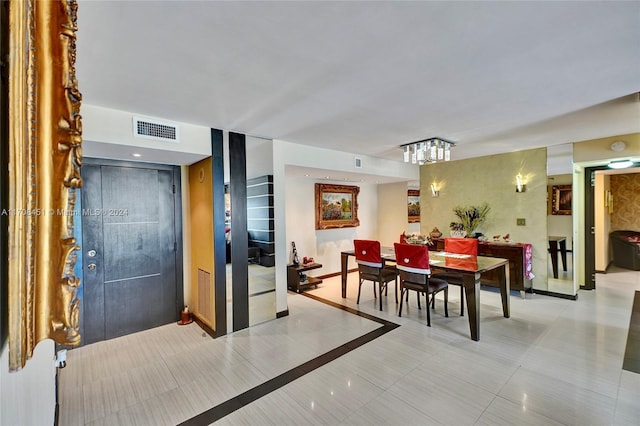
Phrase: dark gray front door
x=128 y=249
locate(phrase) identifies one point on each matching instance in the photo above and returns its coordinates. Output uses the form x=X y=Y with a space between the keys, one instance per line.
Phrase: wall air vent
x=358 y=162
x=156 y=130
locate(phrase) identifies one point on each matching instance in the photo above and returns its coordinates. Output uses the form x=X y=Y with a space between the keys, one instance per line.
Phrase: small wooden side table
x=297 y=280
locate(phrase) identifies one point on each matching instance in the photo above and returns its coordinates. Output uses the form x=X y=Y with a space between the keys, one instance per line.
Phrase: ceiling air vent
x=156 y=130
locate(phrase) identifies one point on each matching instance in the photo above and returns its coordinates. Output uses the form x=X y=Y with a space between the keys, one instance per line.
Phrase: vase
x=458 y=234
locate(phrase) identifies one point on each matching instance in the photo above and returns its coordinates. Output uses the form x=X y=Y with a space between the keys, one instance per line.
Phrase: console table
x=297 y=280
x=515 y=253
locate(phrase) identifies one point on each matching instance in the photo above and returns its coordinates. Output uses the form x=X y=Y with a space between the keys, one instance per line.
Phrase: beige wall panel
x=493 y=179
x=600 y=149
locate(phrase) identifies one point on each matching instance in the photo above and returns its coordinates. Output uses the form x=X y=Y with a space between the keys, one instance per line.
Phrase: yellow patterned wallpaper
x=625 y=189
x=493 y=179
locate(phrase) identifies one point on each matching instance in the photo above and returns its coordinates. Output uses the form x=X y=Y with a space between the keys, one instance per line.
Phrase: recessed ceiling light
x=135 y=154
x=620 y=164
x=618 y=146
x=307 y=175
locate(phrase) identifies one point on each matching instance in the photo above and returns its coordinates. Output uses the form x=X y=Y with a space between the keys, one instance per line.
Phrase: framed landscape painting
x=561 y=200
x=413 y=205
x=336 y=206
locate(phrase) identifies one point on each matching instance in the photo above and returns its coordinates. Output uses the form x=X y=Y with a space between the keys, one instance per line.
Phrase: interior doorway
x=609 y=206
x=131 y=247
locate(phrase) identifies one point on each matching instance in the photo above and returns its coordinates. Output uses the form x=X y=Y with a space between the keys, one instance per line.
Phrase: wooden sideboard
x=515 y=253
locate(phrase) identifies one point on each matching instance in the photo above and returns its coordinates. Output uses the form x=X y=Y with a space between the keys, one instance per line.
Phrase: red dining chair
x=412 y=262
x=459 y=246
x=370 y=268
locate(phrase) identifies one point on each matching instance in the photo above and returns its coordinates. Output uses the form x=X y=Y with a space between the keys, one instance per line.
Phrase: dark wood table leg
x=471 y=284
x=505 y=290
x=563 y=254
x=553 y=250
x=344 y=264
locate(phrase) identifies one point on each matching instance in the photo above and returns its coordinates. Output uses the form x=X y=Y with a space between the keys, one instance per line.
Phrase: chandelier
x=427 y=151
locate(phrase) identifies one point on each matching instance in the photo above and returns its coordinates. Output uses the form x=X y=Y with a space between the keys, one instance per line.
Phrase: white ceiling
x=365 y=77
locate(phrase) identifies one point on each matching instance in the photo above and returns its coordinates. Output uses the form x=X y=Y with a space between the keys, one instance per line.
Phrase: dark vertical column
x=177 y=234
x=239 y=235
x=219 y=245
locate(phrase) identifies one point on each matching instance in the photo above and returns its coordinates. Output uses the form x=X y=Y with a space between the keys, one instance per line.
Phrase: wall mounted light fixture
x=434 y=190
x=520 y=187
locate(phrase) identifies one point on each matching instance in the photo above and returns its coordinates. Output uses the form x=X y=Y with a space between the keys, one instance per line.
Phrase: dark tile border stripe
x=351 y=310
x=260 y=293
x=237 y=402
x=632 y=353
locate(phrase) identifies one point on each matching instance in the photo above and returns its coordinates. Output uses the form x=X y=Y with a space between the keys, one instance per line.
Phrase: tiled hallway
x=555 y=361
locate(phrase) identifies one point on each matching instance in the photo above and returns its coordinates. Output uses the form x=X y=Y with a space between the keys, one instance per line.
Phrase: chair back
x=461 y=245
x=368 y=253
x=412 y=258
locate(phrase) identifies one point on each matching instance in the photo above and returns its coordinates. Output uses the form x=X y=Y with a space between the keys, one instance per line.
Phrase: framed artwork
x=561 y=200
x=336 y=206
x=413 y=205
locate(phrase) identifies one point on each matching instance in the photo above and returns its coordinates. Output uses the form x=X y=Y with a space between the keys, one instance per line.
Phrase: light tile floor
x=554 y=362
x=564 y=283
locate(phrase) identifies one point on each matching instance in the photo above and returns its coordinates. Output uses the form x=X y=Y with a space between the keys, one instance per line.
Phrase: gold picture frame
x=336 y=206
x=413 y=205
x=561 y=199
x=45 y=153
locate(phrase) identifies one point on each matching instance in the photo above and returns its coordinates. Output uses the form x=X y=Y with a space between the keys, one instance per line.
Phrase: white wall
x=392 y=213
x=325 y=245
x=27 y=397
x=295 y=210
x=108 y=133
x=259 y=157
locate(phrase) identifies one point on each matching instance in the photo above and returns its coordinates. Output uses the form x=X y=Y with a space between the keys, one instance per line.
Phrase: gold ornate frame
x=45 y=156
x=560 y=195
x=324 y=195
x=411 y=194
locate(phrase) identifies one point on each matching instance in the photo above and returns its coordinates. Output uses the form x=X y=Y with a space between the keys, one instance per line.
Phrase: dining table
x=471 y=267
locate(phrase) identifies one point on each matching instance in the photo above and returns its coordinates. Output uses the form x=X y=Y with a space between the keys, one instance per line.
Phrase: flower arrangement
x=471 y=217
x=456 y=226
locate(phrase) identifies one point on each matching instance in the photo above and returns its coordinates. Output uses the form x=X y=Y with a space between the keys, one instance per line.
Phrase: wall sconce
x=520 y=187
x=434 y=190
x=608 y=201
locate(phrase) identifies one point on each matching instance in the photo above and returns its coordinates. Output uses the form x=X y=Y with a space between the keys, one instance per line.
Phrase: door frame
x=177 y=224
x=589 y=227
